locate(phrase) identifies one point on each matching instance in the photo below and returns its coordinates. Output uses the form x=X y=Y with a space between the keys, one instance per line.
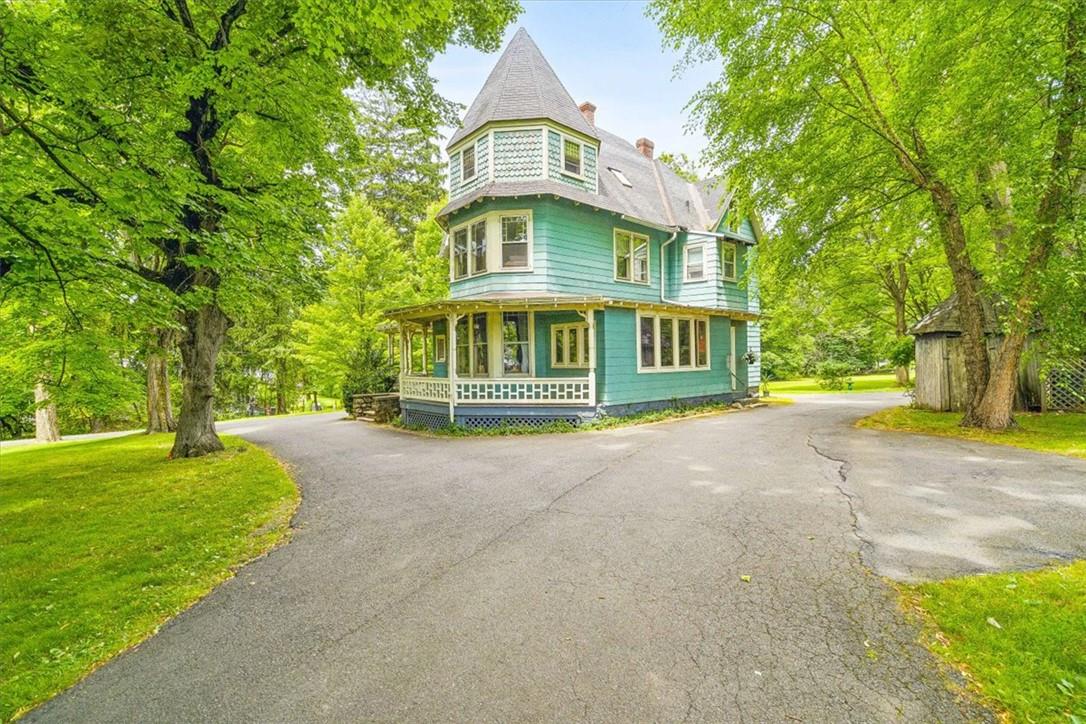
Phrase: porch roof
x=556 y=302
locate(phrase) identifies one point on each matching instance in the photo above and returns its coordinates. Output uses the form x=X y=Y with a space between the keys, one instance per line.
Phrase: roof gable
x=522 y=86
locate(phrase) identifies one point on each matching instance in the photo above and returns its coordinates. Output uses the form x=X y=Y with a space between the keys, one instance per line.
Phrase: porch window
x=569 y=346
x=672 y=343
x=467 y=163
x=515 y=343
x=514 y=242
x=440 y=348
x=694 y=265
x=571 y=157
x=460 y=253
x=478 y=247
x=631 y=257
x=471 y=345
x=728 y=257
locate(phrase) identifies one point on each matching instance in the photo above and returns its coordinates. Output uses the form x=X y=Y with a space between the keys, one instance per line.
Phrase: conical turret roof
x=522 y=86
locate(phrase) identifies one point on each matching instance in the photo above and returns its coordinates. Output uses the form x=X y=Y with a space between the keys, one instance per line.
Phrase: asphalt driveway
x=600 y=576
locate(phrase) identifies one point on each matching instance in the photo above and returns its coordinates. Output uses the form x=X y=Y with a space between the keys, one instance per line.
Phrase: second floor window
x=694 y=268
x=631 y=257
x=728 y=265
x=467 y=163
x=460 y=253
x=478 y=247
x=514 y=242
x=571 y=157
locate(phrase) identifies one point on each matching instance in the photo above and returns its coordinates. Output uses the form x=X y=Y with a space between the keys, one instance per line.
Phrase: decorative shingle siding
x=518 y=154
x=482 y=169
x=554 y=164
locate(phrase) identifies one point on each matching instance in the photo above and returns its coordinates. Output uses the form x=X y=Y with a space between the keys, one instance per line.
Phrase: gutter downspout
x=663 y=268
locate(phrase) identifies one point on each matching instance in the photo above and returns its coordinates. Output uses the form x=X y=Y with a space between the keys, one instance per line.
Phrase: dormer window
x=571 y=157
x=467 y=164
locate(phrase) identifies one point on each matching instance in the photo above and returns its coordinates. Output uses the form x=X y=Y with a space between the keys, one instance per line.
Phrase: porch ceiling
x=537 y=303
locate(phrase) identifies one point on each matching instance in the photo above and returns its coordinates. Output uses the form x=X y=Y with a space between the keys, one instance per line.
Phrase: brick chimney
x=645 y=146
x=588 y=110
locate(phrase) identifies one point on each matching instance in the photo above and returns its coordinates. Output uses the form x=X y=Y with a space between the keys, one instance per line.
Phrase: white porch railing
x=505 y=391
x=424 y=388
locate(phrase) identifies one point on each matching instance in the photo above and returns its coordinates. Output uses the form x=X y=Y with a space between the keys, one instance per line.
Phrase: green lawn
x=1020 y=638
x=102 y=541
x=860 y=383
x=1053 y=432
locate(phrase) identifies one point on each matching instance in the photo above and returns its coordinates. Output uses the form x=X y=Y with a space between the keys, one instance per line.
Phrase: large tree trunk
x=281 y=407
x=201 y=339
x=45 y=416
x=159 y=405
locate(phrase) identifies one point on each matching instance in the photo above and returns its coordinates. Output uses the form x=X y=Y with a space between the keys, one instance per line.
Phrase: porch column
x=425 y=343
x=590 y=317
x=404 y=361
x=451 y=322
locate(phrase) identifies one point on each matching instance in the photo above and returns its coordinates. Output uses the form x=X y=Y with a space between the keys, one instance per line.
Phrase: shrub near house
x=587 y=277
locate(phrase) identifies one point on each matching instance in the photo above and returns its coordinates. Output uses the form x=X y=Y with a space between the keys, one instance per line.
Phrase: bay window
x=672 y=343
x=515 y=343
x=514 y=230
x=478 y=247
x=460 y=253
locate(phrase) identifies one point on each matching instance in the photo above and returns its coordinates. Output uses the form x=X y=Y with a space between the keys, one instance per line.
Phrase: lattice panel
x=1065 y=387
x=524 y=391
x=431 y=420
x=490 y=422
x=424 y=388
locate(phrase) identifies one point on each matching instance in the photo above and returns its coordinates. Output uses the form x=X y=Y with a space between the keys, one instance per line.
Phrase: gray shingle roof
x=522 y=86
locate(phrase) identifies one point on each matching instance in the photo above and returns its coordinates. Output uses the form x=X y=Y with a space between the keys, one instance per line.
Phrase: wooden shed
x=940 y=359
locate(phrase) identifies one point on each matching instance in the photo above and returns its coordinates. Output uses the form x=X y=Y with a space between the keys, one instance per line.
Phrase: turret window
x=514 y=242
x=571 y=157
x=460 y=253
x=467 y=164
x=478 y=247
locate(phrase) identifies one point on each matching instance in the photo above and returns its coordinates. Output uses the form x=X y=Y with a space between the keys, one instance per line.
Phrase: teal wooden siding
x=573 y=253
x=518 y=154
x=703 y=293
x=620 y=382
x=482 y=169
x=554 y=163
x=542 y=354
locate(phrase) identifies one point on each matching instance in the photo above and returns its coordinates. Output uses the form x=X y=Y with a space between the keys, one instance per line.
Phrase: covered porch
x=511 y=360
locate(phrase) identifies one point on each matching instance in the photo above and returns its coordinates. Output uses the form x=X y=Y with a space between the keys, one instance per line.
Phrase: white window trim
x=497 y=356
x=493 y=245
x=614 y=257
x=563 y=138
x=686 y=264
x=441 y=349
x=581 y=328
x=658 y=368
x=474 y=146
x=735 y=265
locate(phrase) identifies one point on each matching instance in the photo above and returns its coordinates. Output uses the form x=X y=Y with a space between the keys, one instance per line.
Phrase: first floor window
x=463 y=345
x=673 y=343
x=480 y=351
x=728 y=256
x=471 y=345
x=439 y=348
x=631 y=257
x=515 y=343
x=514 y=242
x=460 y=253
x=648 y=341
x=569 y=345
x=478 y=247
x=695 y=263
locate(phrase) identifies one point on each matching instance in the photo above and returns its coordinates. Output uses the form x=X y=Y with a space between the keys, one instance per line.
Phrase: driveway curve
x=599 y=576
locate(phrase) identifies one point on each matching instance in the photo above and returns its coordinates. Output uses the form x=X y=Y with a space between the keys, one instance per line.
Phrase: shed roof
x=946 y=317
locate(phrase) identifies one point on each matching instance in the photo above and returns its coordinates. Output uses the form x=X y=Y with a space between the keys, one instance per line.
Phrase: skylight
x=621 y=177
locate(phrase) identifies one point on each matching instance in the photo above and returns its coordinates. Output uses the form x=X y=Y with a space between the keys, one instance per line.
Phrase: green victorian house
x=587 y=277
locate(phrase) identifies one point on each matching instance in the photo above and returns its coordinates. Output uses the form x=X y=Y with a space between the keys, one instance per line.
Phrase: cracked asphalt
x=600 y=576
